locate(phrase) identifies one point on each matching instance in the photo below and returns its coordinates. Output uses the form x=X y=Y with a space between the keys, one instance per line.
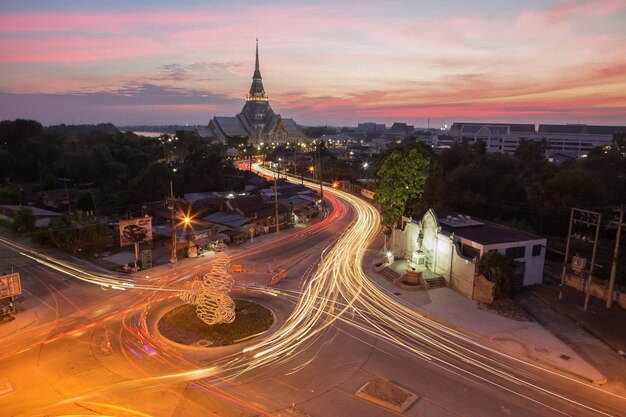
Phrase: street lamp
x=185 y=221
x=365 y=165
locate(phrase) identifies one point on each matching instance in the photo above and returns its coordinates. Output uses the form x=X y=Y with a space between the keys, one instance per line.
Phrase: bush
x=498 y=269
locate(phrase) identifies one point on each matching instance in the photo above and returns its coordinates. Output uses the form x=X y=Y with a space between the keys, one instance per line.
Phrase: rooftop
x=482 y=231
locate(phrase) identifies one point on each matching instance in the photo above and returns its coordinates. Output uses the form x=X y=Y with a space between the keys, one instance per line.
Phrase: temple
x=257 y=121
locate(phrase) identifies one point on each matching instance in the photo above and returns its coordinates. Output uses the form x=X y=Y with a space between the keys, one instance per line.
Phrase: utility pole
x=170 y=205
x=295 y=160
x=618 y=236
x=569 y=235
x=276 y=200
x=593 y=262
x=319 y=173
x=588 y=219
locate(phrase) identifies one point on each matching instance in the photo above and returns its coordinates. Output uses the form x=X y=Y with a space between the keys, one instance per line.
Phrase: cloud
x=320 y=62
x=147 y=102
x=194 y=71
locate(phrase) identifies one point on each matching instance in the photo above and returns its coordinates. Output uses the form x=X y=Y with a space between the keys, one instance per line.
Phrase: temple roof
x=292 y=127
x=231 y=126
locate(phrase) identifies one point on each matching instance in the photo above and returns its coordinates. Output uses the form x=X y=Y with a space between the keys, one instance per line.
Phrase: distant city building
x=401 y=130
x=426 y=137
x=368 y=128
x=576 y=139
x=498 y=137
x=257 y=121
x=340 y=137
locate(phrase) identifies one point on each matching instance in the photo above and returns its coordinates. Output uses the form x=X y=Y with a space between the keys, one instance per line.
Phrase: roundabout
x=181 y=325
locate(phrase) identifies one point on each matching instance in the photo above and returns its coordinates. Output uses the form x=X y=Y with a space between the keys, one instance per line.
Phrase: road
x=337 y=331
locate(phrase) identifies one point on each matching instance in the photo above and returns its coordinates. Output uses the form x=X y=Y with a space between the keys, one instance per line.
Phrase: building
x=426 y=137
x=370 y=129
x=257 y=121
x=400 y=130
x=497 y=137
x=451 y=247
x=43 y=217
x=577 y=138
x=244 y=213
x=504 y=137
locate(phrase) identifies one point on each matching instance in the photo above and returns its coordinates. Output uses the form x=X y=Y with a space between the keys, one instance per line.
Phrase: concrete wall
x=483 y=289
x=597 y=290
x=463 y=273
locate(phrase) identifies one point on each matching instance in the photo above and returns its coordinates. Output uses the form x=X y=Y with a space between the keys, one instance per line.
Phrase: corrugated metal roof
x=473 y=127
x=576 y=129
x=229 y=219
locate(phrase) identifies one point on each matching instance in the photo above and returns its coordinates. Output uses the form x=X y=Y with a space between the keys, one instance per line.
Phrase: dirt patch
x=506 y=308
x=385 y=391
x=183 y=326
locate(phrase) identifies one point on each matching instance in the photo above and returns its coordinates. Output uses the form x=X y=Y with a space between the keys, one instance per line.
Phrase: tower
x=257 y=110
x=256 y=122
x=257 y=92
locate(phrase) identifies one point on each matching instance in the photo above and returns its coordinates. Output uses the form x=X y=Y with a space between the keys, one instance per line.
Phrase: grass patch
x=183 y=326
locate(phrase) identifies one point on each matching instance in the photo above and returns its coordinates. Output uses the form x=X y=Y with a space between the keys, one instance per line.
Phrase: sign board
x=10 y=285
x=237 y=268
x=367 y=193
x=146 y=259
x=135 y=230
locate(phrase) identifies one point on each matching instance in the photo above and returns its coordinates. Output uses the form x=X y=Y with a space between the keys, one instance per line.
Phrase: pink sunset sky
x=323 y=62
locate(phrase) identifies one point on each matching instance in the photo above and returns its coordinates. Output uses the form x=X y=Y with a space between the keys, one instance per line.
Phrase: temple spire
x=257 y=92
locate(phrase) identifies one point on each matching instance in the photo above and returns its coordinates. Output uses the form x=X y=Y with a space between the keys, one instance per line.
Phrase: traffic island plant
x=183 y=326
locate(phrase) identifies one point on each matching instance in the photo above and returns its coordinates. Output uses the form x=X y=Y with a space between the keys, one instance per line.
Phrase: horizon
x=153 y=64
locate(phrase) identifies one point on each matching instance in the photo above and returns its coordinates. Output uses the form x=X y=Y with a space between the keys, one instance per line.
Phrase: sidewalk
x=22 y=320
x=606 y=325
x=522 y=339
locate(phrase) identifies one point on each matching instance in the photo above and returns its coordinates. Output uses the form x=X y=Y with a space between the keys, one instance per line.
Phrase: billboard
x=135 y=230
x=10 y=285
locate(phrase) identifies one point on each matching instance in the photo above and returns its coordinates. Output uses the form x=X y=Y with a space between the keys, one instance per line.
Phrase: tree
x=151 y=183
x=404 y=175
x=531 y=150
x=498 y=269
x=572 y=187
x=24 y=220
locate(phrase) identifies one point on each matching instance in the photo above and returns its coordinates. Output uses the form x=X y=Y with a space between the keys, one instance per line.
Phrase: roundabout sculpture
x=210 y=294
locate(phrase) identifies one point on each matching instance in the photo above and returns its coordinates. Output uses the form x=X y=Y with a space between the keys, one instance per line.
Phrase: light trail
x=337 y=292
x=340 y=272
